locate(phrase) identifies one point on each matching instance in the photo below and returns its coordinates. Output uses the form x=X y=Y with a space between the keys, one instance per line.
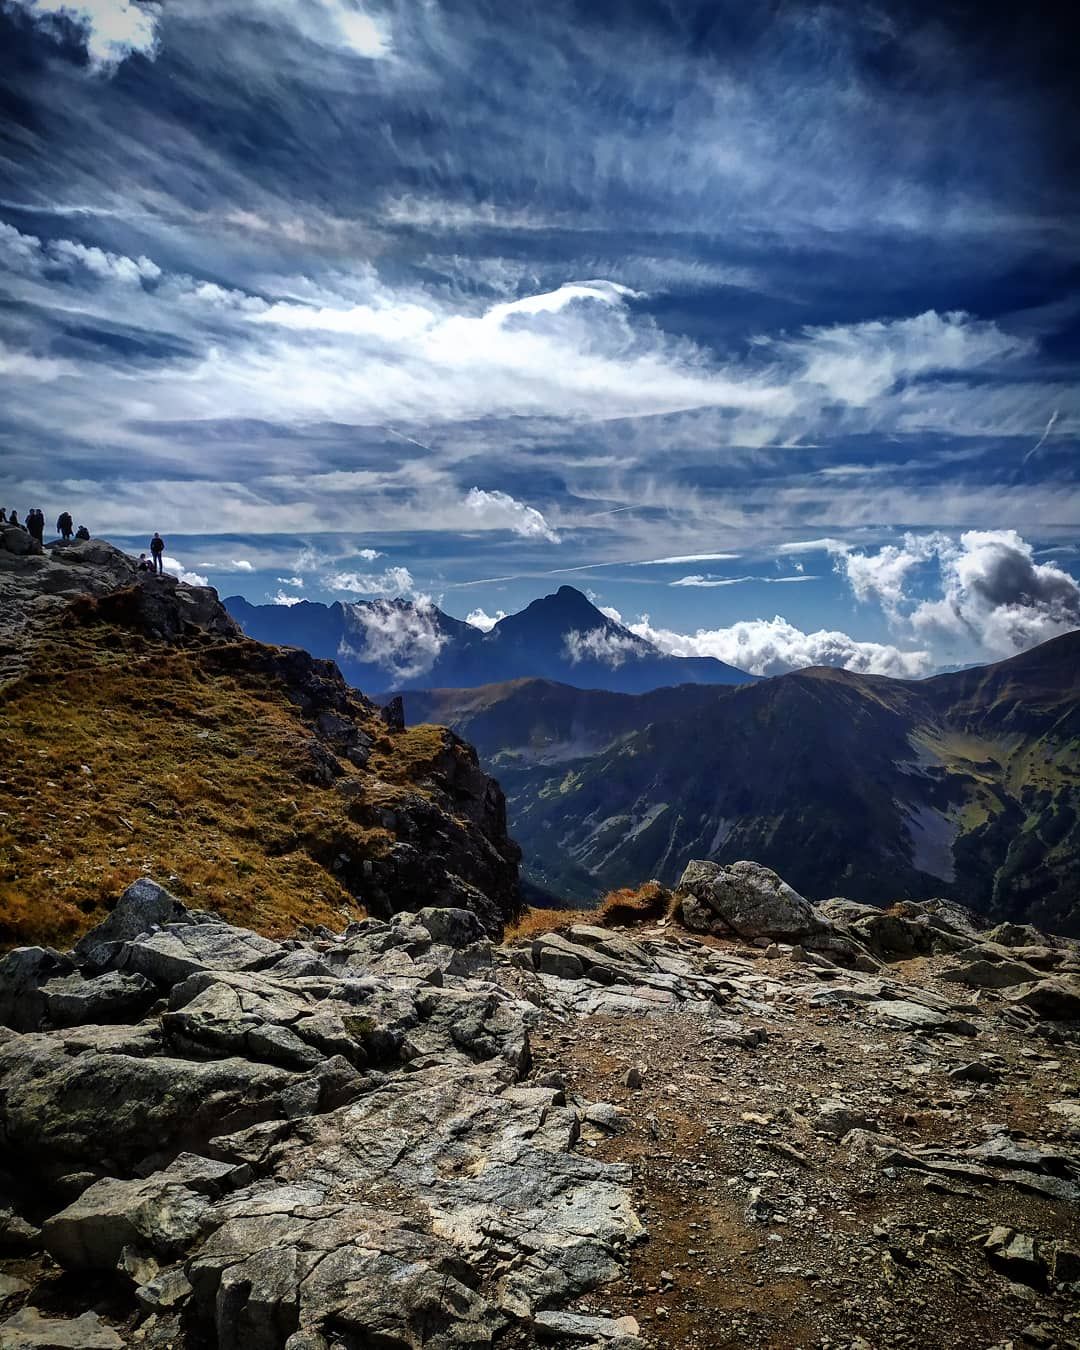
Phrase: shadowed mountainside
x=966 y=785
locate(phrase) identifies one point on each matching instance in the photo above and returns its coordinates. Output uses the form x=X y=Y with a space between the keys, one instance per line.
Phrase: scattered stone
x=28 y=1330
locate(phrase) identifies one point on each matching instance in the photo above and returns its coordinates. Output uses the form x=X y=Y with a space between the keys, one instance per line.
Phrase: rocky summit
x=749 y=1122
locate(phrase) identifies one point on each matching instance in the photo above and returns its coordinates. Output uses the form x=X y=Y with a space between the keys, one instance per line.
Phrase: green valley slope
x=966 y=785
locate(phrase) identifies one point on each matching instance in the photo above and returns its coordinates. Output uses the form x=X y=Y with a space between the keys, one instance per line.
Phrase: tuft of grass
x=536 y=922
x=635 y=904
x=622 y=908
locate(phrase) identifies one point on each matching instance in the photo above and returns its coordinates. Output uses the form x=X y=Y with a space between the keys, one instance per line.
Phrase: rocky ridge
x=139 y=730
x=796 y=1125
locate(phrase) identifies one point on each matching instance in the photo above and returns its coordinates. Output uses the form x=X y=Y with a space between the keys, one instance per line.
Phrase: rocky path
x=404 y=1136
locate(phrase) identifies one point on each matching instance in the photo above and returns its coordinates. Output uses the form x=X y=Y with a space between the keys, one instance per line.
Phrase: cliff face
x=141 y=731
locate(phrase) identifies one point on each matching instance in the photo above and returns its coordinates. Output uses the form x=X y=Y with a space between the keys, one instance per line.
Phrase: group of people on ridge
x=34 y=524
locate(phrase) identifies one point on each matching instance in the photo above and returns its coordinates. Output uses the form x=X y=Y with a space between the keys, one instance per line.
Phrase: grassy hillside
x=221 y=766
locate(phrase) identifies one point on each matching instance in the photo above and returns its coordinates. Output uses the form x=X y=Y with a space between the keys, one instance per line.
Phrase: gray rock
x=990 y=974
x=144 y=907
x=837 y=1118
x=553 y=955
x=22 y=973
x=164 y=1214
x=28 y=1330
x=452 y=927
x=71 y=1000
x=1017 y=1255
x=179 y=950
x=11 y=1288
x=907 y=1015
x=1057 y=999
x=582 y=1327
x=753 y=902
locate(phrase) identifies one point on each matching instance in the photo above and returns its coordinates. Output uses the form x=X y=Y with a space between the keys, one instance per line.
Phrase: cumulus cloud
x=997 y=596
x=291 y=581
x=479 y=618
x=393 y=581
x=498 y=510
x=404 y=639
x=178 y=570
x=111 y=30
x=605 y=645
x=774 y=646
x=993 y=597
x=284 y=598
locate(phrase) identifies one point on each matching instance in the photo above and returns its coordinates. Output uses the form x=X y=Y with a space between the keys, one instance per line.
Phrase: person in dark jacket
x=157 y=550
x=82 y=532
x=3 y=516
x=65 y=526
x=35 y=524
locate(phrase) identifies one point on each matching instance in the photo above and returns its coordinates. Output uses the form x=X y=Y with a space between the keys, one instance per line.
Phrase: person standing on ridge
x=157 y=549
x=35 y=524
x=65 y=526
x=3 y=516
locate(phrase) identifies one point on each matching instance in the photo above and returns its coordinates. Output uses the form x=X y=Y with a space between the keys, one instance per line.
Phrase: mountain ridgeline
x=399 y=644
x=964 y=786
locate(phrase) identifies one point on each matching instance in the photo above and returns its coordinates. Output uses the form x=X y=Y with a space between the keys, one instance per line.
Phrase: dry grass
x=121 y=757
x=535 y=922
x=618 y=909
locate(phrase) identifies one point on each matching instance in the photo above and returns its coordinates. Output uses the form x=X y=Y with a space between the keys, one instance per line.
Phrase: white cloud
x=291 y=581
x=709 y=581
x=858 y=363
x=774 y=646
x=107 y=266
x=370 y=554
x=393 y=581
x=233 y=565
x=998 y=597
x=551 y=302
x=484 y=621
x=404 y=639
x=112 y=30
x=994 y=598
x=178 y=570
x=282 y=598
x=498 y=510
x=826 y=545
x=686 y=558
x=601 y=644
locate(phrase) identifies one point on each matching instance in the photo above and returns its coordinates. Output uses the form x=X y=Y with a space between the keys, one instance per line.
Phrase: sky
x=758 y=323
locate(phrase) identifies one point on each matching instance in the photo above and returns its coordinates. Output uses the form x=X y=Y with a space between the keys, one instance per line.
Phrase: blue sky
x=468 y=300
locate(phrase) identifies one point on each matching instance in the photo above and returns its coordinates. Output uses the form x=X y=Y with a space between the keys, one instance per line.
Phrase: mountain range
x=383 y=645
x=965 y=785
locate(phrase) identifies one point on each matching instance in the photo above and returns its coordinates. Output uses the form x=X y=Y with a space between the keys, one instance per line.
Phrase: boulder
x=990 y=974
x=753 y=902
x=111 y=1110
x=144 y=907
x=182 y=949
x=71 y=1000
x=22 y=973
x=164 y=1213
x=451 y=927
x=1056 y=999
x=1016 y=1255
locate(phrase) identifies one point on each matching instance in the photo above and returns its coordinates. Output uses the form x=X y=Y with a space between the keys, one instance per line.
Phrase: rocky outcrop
x=330 y=1137
x=381 y=1136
